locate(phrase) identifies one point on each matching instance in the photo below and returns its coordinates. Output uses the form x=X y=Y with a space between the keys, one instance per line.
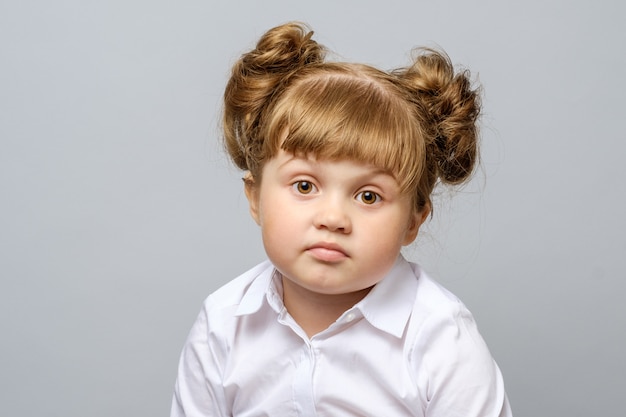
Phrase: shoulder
x=434 y=300
x=452 y=360
x=439 y=315
x=235 y=291
x=246 y=292
x=217 y=318
x=443 y=333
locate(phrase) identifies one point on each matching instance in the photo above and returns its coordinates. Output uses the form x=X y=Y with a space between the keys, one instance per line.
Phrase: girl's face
x=331 y=227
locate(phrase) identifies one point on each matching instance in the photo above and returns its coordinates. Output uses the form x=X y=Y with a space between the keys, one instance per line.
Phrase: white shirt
x=409 y=348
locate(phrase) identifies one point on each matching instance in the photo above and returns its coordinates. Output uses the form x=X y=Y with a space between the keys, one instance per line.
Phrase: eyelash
x=307 y=187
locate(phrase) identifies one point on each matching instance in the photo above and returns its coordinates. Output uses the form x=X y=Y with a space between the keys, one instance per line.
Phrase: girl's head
x=417 y=123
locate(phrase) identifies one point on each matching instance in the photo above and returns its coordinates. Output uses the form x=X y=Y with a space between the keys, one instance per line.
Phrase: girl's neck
x=315 y=312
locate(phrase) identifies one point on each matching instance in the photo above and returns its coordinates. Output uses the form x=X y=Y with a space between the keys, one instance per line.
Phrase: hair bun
x=453 y=106
x=257 y=78
x=285 y=48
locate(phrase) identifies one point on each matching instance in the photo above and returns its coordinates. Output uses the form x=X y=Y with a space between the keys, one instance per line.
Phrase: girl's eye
x=303 y=187
x=368 y=197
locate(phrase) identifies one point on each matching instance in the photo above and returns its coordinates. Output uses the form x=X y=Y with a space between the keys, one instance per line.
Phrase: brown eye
x=368 y=197
x=303 y=187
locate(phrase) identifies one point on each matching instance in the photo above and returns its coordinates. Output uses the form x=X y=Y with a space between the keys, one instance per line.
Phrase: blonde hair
x=418 y=123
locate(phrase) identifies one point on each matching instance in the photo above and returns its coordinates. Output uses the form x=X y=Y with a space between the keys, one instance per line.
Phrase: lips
x=327 y=252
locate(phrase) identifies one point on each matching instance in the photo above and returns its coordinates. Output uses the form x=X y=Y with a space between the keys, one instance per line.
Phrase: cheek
x=278 y=225
x=395 y=234
x=280 y=240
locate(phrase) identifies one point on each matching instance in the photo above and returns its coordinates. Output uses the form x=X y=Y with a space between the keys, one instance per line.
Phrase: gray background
x=120 y=213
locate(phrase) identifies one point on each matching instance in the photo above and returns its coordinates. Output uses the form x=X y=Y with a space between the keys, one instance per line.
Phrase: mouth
x=327 y=252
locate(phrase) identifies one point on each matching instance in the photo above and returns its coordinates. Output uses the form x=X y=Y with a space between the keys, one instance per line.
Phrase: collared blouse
x=409 y=348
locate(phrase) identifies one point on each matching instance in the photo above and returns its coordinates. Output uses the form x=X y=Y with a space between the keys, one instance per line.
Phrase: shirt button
x=349 y=317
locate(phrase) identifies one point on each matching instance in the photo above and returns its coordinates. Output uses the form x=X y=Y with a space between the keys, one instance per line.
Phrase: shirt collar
x=387 y=307
x=389 y=304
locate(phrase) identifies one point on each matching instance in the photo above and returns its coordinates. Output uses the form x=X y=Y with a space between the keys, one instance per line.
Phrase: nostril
x=333 y=223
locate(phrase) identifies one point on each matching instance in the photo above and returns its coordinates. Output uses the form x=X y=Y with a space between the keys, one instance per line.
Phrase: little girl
x=340 y=161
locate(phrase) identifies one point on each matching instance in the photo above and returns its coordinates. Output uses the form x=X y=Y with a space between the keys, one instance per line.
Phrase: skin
x=333 y=229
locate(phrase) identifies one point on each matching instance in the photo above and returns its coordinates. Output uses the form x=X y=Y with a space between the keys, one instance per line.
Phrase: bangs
x=350 y=116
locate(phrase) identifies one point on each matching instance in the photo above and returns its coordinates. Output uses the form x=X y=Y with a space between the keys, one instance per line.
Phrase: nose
x=332 y=214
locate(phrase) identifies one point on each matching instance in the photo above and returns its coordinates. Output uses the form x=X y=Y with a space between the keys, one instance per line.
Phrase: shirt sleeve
x=198 y=391
x=459 y=377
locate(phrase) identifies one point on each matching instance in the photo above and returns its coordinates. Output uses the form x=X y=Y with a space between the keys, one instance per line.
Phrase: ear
x=417 y=218
x=252 y=194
